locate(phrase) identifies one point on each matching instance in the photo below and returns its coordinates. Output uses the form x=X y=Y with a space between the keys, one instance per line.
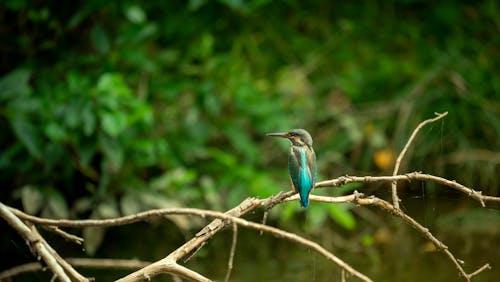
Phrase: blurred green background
x=110 y=108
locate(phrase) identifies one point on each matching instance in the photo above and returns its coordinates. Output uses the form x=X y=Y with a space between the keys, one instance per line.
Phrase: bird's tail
x=304 y=199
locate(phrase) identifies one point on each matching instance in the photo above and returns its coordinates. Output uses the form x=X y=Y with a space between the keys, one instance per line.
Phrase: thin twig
x=395 y=198
x=481 y=269
x=264 y=218
x=231 y=252
x=65 y=235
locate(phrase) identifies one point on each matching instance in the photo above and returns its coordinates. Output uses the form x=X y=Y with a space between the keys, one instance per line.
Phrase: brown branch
x=65 y=235
x=326 y=199
x=108 y=263
x=167 y=264
x=479 y=270
x=231 y=252
x=35 y=243
x=395 y=198
x=76 y=262
x=477 y=195
x=242 y=208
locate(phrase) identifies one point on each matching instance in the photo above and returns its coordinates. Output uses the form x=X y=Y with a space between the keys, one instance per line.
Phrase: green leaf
x=129 y=203
x=210 y=193
x=316 y=215
x=261 y=185
x=113 y=151
x=55 y=132
x=175 y=177
x=32 y=199
x=135 y=14
x=26 y=132
x=222 y=157
x=15 y=84
x=341 y=215
x=83 y=205
x=93 y=237
x=113 y=123
x=56 y=205
x=238 y=5
x=147 y=31
x=367 y=240
x=196 y=4
x=154 y=200
x=108 y=209
x=99 y=39
x=112 y=84
x=89 y=120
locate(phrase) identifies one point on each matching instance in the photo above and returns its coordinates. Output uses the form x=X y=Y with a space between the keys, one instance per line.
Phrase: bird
x=301 y=162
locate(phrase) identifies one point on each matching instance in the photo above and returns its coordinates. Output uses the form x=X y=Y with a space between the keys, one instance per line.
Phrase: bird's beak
x=279 y=134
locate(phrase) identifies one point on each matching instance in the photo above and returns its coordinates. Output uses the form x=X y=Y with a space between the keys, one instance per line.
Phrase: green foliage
x=134 y=105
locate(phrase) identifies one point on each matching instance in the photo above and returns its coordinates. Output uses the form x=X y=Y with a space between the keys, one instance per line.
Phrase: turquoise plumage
x=301 y=162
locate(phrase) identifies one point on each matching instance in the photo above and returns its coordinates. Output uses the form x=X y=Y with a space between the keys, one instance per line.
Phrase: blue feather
x=305 y=180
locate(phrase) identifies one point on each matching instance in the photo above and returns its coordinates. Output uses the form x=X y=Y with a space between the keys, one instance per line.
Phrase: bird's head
x=298 y=137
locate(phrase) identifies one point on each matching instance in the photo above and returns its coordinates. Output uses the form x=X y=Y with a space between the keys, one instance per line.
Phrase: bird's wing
x=311 y=160
x=301 y=168
x=294 y=166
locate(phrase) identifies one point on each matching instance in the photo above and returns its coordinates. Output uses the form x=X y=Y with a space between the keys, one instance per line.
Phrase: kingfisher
x=301 y=162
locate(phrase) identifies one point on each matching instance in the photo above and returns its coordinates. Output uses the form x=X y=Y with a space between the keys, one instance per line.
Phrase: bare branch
x=481 y=269
x=65 y=235
x=166 y=265
x=477 y=195
x=77 y=262
x=231 y=252
x=395 y=198
x=33 y=240
x=330 y=200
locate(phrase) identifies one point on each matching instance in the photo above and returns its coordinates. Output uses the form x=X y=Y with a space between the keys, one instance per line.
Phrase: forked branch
x=395 y=198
